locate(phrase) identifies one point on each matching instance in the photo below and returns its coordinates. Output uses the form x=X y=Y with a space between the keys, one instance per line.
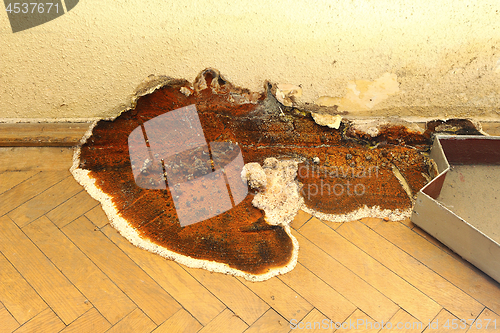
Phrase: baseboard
x=42 y=134
x=491 y=128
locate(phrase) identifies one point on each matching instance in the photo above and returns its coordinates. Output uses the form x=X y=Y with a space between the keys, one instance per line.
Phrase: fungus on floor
x=336 y=174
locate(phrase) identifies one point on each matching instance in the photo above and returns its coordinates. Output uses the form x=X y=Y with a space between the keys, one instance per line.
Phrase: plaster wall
x=426 y=58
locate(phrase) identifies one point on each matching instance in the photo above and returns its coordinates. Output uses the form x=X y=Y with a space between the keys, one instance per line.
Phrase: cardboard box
x=461 y=206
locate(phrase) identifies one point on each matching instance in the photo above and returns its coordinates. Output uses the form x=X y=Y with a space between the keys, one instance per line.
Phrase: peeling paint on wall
x=363 y=94
x=287 y=93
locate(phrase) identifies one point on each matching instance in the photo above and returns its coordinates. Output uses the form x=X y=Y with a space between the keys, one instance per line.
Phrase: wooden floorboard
x=271 y=321
x=191 y=294
x=97 y=288
x=180 y=322
x=9 y=179
x=283 y=299
x=57 y=291
x=459 y=272
x=426 y=280
x=317 y=292
x=130 y=278
x=370 y=270
x=46 y=321
x=63 y=268
x=45 y=201
x=8 y=323
x=17 y=296
x=90 y=321
x=35 y=159
x=344 y=281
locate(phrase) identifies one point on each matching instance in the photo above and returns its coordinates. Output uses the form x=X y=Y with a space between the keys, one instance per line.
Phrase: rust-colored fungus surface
x=344 y=174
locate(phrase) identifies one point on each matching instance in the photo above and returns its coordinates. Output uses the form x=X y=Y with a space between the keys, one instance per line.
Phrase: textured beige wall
x=443 y=55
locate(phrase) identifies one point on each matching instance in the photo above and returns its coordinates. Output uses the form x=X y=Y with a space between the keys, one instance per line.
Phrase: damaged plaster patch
x=211 y=78
x=287 y=93
x=362 y=95
x=373 y=126
x=327 y=120
x=279 y=193
x=369 y=126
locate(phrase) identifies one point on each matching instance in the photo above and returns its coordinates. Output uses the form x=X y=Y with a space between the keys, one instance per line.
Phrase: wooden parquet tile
x=98 y=289
x=459 y=272
x=443 y=322
x=283 y=299
x=134 y=322
x=8 y=323
x=97 y=216
x=315 y=322
x=45 y=201
x=29 y=188
x=191 y=294
x=343 y=280
x=233 y=293
x=17 y=295
x=63 y=268
x=317 y=292
x=71 y=209
x=180 y=322
x=130 y=278
x=226 y=322
x=488 y=321
x=58 y=292
x=369 y=269
x=426 y=280
x=90 y=321
x=271 y=321
x=403 y=322
x=46 y=321
x=360 y=322
x=9 y=179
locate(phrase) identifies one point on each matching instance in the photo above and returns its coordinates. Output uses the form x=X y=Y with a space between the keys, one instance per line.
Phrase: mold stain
x=340 y=171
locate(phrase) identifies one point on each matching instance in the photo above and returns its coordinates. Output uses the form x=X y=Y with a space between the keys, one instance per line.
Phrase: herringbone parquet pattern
x=64 y=269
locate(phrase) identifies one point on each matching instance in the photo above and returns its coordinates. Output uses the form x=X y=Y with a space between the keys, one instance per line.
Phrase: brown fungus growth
x=340 y=175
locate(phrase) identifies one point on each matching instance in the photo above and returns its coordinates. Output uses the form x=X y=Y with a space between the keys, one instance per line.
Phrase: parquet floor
x=64 y=269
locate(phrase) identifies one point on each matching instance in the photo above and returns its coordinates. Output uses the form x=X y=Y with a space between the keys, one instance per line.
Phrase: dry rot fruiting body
x=340 y=170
